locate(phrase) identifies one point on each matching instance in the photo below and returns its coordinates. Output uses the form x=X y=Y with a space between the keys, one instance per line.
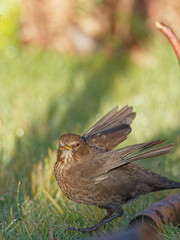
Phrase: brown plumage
x=89 y=172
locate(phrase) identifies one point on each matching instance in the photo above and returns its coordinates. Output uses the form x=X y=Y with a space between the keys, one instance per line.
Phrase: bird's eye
x=77 y=144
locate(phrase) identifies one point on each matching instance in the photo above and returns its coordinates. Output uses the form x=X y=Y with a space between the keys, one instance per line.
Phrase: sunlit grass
x=44 y=95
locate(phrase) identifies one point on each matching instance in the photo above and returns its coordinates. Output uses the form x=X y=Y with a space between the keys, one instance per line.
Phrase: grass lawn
x=42 y=96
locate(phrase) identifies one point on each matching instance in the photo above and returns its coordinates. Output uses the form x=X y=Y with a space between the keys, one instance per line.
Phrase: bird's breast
x=61 y=172
x=67 y=178
x=73 y=181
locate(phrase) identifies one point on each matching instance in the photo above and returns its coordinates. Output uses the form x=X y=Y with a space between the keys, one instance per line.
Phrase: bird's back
x=130 y=181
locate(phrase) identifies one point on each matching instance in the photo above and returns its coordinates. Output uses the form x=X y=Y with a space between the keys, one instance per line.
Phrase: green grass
x=44 y=95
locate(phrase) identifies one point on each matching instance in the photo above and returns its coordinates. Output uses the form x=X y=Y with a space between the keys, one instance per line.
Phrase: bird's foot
x=107 y=218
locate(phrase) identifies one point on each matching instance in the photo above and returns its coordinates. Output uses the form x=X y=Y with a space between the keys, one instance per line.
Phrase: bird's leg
x=109 y=212
x=118 y=211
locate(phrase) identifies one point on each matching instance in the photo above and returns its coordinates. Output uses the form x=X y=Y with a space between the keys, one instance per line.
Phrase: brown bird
x=89 y=172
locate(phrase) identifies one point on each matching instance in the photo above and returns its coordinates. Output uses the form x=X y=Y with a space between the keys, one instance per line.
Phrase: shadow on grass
x=99 y=76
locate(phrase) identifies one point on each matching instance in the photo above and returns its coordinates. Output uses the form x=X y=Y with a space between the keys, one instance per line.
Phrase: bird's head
x=72 y=144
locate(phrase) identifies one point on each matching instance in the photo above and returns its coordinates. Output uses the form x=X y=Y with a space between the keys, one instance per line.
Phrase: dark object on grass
x=147 y=225
x=88 y=172
x=162 y=212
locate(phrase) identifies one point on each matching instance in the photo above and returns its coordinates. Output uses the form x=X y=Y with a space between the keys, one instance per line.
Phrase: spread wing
x=112 y=129
x=114 y=159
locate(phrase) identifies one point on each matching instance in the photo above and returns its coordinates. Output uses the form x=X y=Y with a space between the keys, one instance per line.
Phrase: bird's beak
x=61 y=147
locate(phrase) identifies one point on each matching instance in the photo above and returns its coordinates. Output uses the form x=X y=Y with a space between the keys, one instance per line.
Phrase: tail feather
x=173 y=184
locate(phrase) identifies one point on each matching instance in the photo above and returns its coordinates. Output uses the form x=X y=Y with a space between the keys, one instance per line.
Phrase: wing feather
x=112 y=129
x=115 y=159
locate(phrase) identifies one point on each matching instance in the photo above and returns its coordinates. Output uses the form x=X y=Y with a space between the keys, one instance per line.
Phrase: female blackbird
x=88 y=172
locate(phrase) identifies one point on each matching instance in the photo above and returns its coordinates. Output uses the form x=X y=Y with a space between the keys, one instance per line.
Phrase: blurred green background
x=45 y=93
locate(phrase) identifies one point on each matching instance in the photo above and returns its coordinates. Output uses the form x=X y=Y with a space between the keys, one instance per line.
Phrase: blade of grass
x=19 y=210
x=53 y=201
